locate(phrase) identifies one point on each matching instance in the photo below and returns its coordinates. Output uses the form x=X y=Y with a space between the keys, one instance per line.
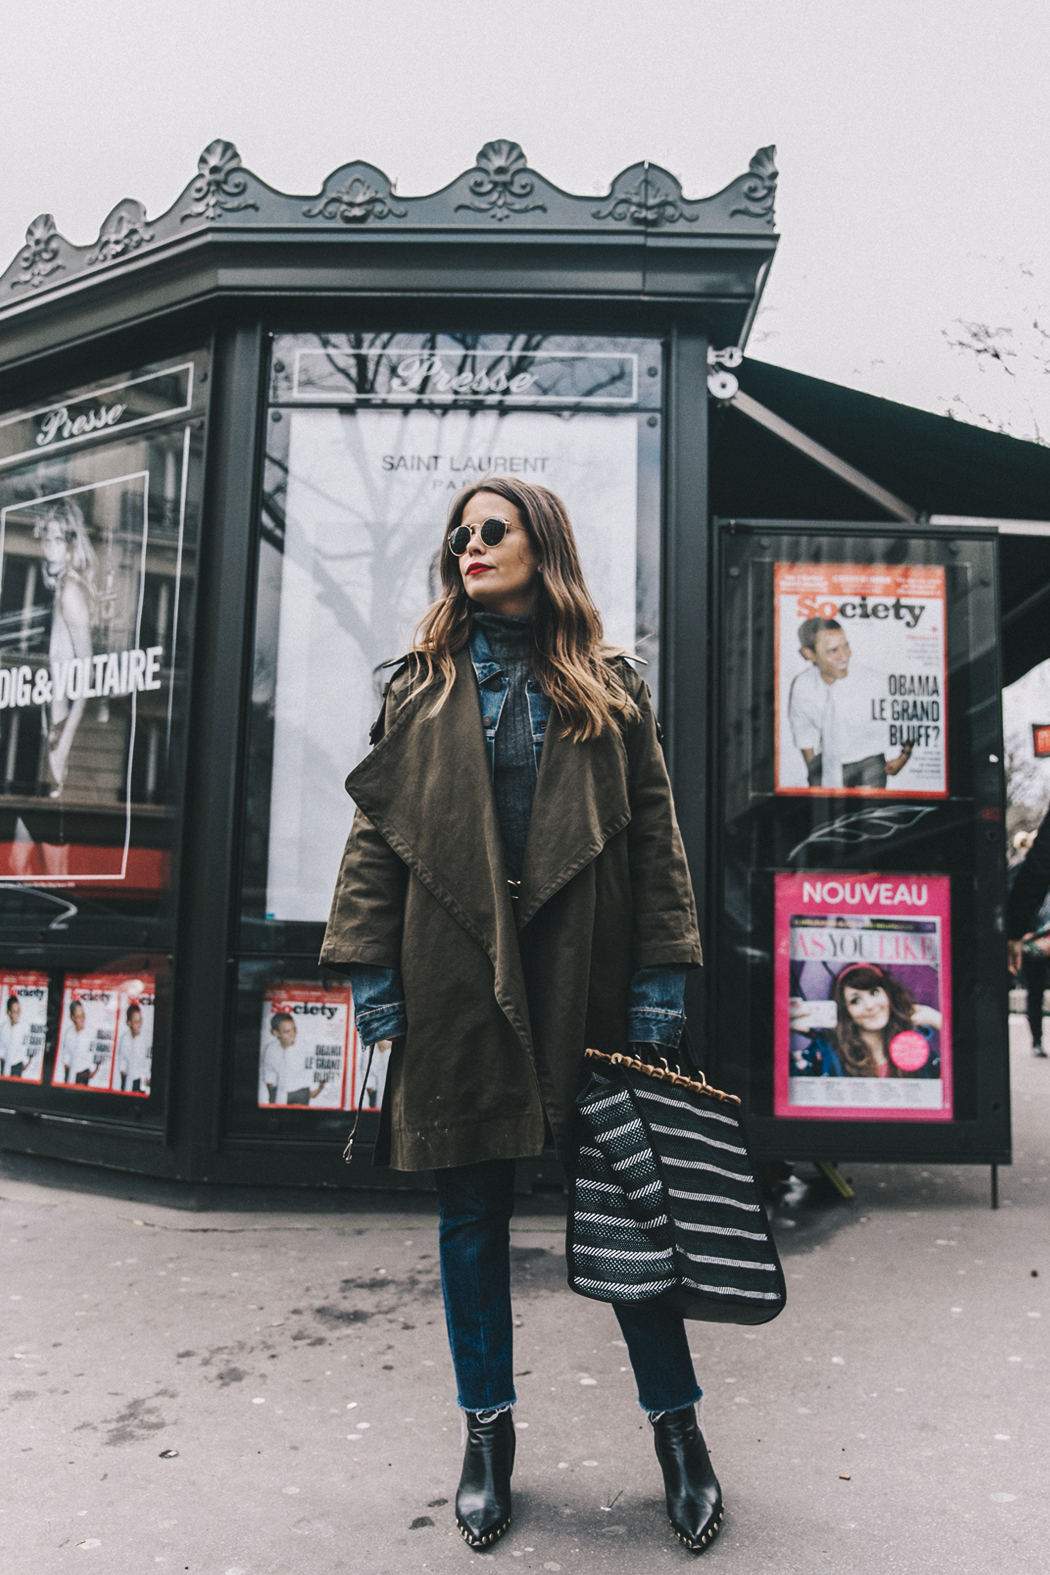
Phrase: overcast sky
x=912 y=136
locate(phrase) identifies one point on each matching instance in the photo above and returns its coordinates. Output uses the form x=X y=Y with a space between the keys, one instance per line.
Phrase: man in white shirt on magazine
x=14 y=1040
x=133 y=1054
x=283 y=1072
x=831 y=712
x=75 y=1056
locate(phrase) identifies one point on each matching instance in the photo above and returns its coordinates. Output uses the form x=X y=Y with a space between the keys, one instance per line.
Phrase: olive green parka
x=503 y=996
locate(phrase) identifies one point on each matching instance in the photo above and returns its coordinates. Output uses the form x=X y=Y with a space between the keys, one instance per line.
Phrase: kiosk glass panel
x=98 y=531
x=99 y=519
x=861 y=875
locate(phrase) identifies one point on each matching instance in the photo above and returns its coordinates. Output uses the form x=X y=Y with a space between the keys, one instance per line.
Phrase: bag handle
x=348 y=1151
x=685 y=1044
x=663 y=1074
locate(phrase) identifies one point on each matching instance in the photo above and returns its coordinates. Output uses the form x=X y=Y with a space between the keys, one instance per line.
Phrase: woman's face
x=53 y=542
x=505 y=578
x=869 y=1009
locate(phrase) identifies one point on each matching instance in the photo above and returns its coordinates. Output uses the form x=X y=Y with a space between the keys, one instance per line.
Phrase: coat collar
x=427 y=788
x=581 y=803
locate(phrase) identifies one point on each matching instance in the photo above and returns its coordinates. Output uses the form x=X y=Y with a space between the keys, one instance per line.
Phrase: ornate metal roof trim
x=500 y=194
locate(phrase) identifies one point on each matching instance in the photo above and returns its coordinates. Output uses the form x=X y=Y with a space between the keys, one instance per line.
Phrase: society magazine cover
x=105 y=1034
x=860 y=668
x=23 y=1025
x=310 y=1056
x=305 y=1047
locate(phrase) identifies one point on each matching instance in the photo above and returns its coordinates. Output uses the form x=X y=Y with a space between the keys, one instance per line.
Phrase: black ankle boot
x=483 y=1497
x=694 y=1498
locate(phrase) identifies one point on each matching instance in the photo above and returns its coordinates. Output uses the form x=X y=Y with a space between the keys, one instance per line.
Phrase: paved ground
x=237 y=1393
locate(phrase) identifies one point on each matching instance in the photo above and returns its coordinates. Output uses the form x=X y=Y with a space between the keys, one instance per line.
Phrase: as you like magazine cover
x=863 y=997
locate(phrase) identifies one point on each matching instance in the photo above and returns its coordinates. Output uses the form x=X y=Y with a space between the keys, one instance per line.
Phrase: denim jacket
x=492 y=688
x=656 y=996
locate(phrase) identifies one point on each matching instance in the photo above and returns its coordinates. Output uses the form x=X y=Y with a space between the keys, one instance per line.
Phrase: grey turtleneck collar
x=509 y=638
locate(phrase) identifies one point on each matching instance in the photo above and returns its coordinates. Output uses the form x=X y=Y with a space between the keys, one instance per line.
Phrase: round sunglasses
x=491 y=531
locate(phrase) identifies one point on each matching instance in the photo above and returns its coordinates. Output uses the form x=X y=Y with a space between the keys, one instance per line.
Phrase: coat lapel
x=581 y=802
x=427 y=790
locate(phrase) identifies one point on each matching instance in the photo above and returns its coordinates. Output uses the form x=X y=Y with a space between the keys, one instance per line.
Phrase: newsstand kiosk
x=228 y=439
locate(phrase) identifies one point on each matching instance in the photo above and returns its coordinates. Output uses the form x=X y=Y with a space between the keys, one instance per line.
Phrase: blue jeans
x=475 y=1204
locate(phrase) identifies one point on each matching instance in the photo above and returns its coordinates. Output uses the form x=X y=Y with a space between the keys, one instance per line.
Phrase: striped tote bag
x=664 y=1202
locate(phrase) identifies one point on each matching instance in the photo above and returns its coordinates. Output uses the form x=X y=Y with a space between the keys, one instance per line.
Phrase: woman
x=514 y=889
x=70 y=570
x=881 y=1030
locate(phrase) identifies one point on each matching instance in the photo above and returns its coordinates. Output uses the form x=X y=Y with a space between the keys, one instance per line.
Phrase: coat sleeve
x=665 y=927
x=368 y=908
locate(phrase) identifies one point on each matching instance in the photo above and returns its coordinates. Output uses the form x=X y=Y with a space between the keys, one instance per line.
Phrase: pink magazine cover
x=862 y=980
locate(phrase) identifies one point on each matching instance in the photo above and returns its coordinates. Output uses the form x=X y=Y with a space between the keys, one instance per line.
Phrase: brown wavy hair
x=857 y=1059
x=572 y=662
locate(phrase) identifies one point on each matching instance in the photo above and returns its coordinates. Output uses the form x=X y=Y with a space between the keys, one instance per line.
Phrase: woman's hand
x=927 y=1015
x=799 y=1013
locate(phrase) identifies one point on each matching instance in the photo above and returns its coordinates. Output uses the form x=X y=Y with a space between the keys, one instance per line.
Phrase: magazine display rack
x=861 y=817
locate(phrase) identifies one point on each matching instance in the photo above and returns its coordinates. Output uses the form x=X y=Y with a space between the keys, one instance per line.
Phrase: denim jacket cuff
x=381 y=1022
x=651 y=1025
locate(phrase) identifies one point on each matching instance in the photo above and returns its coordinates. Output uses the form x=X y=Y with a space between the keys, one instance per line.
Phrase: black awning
x=937 y=464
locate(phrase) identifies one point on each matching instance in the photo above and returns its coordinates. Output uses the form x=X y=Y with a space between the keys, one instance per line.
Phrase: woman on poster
x=514 y=889
x=70 y=571
x=880 y=1031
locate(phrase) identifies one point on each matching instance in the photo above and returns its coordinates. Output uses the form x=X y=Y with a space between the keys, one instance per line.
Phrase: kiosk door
x=369 y=438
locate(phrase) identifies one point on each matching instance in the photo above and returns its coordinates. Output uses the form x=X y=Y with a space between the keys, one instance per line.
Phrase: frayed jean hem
x=669 y=1409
